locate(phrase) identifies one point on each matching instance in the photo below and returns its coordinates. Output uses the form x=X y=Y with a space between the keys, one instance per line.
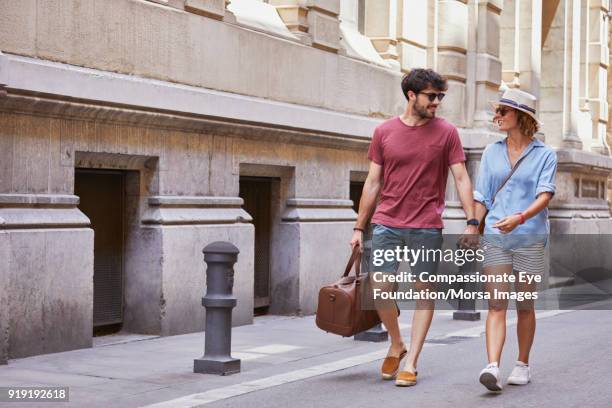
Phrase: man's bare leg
x=390 y=320
x=387 y=311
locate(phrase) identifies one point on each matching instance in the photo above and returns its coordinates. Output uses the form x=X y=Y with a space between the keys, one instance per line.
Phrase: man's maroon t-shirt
x=415 y=161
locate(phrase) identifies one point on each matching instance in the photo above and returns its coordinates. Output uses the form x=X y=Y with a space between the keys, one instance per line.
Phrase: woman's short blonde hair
x=528 y=125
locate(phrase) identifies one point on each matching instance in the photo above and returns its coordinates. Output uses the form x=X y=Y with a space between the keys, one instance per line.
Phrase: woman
x=515 y=184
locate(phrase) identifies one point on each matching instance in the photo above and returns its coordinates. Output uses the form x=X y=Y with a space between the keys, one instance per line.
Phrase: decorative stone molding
x=3 y=73
x=381 y=28
x=323 y=24
x=19 y=211
x=581 y=181
x=412 y=34
x=260 y=16
x=38 y=200
x=572 y=158
x=209 y=8
x=203 y=109
x=294 y=14
x=182 y=210
x=318 y=210
x=583 y=211
x=179 y=4
x=354 y=43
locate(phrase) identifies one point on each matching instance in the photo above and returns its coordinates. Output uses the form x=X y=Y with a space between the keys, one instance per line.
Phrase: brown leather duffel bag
x=340 y=304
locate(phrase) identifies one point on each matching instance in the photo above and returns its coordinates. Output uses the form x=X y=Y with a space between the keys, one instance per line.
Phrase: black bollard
x=219 y=301
x=376 y=333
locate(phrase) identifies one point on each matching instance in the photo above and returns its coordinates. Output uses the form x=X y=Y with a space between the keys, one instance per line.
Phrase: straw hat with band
x=519 y=100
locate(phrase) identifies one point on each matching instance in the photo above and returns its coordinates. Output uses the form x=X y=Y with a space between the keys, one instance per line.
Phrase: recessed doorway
x=102 y=200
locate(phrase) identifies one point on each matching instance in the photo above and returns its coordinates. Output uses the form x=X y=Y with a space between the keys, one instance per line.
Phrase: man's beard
x=422 y=111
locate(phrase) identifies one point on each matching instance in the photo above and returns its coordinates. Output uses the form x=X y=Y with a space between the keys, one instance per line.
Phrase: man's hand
x=508 y=224
x=357 y=240
x=470 y=237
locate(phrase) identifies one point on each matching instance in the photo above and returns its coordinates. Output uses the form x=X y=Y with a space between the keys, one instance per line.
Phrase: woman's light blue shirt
x=535 y=175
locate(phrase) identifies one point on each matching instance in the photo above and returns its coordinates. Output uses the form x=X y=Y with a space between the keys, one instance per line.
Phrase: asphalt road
x=571 y=367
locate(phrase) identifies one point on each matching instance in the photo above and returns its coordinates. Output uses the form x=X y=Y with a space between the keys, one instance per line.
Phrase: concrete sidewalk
x=133 y=371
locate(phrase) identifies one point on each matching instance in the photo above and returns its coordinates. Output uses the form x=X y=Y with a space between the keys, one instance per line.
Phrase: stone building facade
x=135 y=132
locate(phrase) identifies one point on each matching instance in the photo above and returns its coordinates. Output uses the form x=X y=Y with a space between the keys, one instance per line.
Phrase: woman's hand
x=508 y=224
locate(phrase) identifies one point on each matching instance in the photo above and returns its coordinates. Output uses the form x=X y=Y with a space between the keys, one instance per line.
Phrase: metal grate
x=108 y=290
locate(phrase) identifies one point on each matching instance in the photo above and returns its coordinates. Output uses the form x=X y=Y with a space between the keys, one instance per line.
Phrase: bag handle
x=354 y=259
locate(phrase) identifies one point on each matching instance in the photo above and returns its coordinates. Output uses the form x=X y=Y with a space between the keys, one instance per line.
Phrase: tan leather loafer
x=391 y=366
x=406 y=379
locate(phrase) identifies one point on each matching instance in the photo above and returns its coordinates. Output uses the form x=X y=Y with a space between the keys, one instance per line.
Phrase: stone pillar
x=521 y=39
x=571 y=66
x=608 y=99
x=48 y=272
x=315 y=232
x=380 y=26
x=413 y=33
x=510 y=25
x=522 y=66
x=448 y=51
x=484 y=65
x=183 y=223
x=595 y=73
x=452 y=58
x=552 y=79
x=530 y=51
x=560 y=79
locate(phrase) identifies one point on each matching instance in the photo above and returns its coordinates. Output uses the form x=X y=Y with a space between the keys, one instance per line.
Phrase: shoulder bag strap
x=516 y=165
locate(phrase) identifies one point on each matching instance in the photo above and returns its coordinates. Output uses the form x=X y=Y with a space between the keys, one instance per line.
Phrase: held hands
x=508 y=224
x=357 y=240
x=470 y=237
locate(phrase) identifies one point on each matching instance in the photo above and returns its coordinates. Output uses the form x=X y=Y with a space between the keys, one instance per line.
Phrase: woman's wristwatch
x=473 y=221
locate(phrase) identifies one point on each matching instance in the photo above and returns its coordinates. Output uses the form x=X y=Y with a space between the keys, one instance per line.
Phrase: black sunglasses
x=432 y=95
x=502 y=111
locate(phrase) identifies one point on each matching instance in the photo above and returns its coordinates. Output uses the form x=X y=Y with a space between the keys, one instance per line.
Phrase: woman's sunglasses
x=502 y=111
x=432 y=96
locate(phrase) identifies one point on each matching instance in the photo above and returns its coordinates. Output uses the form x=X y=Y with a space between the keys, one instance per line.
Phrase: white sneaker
x=489 y=377
x=520 y=375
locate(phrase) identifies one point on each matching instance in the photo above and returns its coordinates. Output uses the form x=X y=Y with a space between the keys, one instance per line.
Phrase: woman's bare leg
x=526 y=325
x=496 y=318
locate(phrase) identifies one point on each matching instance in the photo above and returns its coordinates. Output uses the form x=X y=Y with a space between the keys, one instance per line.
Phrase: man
x=412 y=154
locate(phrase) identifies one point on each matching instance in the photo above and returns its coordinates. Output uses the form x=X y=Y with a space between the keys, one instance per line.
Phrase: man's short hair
x=418 y=79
